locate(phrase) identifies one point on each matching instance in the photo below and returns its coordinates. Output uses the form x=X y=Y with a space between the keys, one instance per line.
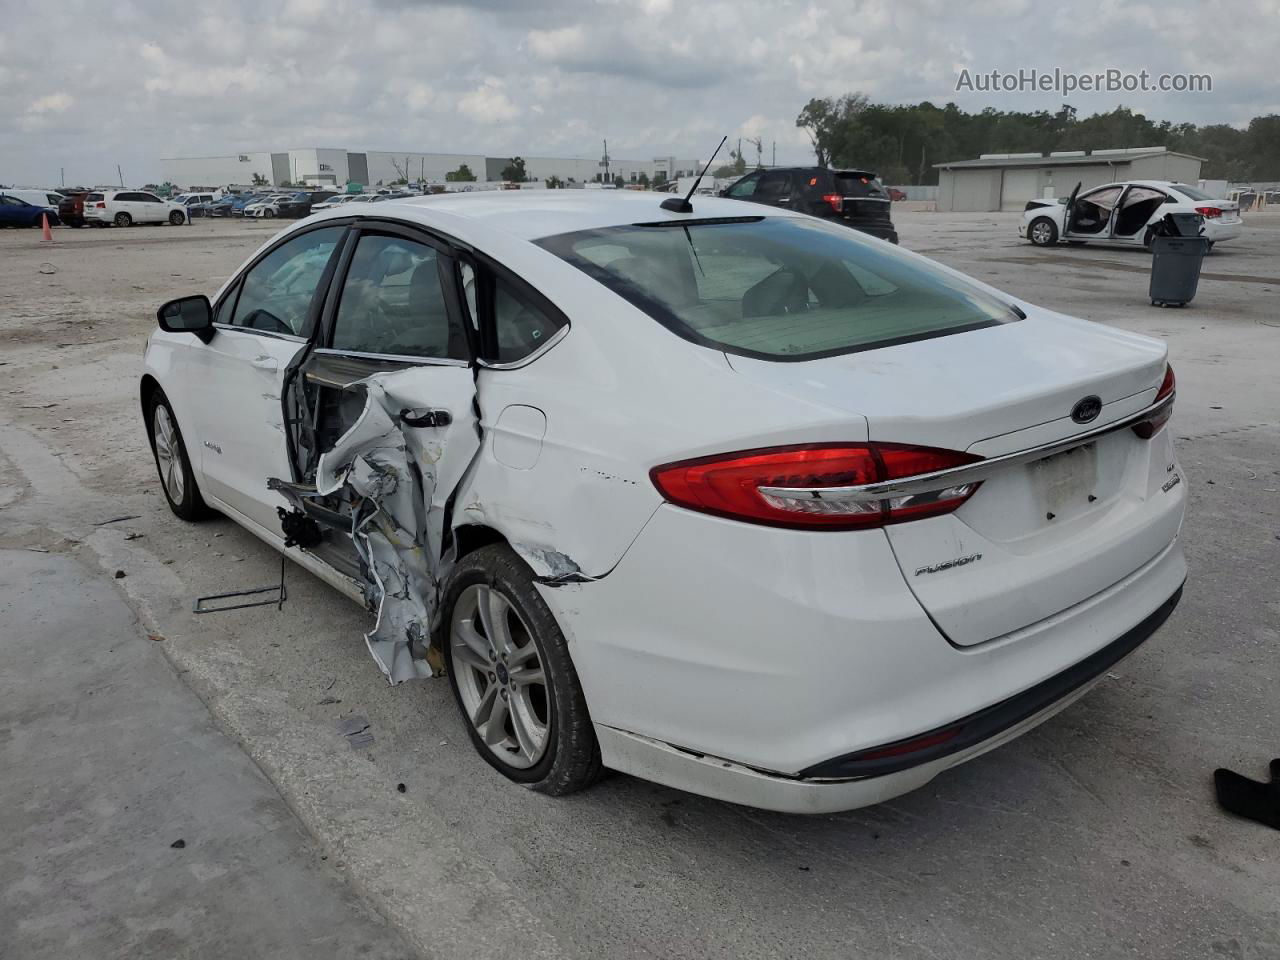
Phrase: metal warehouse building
x=1006 y=181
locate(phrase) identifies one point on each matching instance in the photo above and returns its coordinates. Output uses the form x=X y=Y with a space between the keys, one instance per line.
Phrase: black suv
x=854 y=197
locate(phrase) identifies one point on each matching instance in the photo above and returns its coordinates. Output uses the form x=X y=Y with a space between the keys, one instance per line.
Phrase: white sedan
x=736 y=501
x=267 y=207
x=1126 y=214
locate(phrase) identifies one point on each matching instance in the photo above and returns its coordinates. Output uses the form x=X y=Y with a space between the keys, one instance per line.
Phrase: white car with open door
x=734 y=500
x=1126 y=214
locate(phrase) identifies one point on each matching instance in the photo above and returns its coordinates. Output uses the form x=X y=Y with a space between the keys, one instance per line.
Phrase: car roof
x=533 y=214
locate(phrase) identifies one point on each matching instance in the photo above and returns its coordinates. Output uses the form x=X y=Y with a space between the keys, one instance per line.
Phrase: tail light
x=1148 y=428
x=101 y=205
x=1209 y=212
x=835 y=201
x=784 y=486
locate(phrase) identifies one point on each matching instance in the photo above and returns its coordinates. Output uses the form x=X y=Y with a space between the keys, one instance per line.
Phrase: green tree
x=259 y=180
x=462 y=175
x=643 y=180
x=618 y=182
x=554 y=182
x=514 y=171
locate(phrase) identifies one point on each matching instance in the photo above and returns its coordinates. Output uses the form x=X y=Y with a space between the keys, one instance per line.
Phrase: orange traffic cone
x=46 y=233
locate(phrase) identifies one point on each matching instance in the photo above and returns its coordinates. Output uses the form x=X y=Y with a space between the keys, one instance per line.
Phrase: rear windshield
x=93 y=196
x=778 y=288
x=856 y=184
x=1195 y=193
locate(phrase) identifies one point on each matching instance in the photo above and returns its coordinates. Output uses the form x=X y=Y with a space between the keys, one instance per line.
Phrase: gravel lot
x=1094 y=836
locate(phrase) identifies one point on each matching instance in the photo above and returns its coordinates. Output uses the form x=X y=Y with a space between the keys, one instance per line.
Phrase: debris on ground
x=127 y=516
x=1249 y=798
x=120 y=574
x=178 y=844
x=267 y=596
x=356 y=729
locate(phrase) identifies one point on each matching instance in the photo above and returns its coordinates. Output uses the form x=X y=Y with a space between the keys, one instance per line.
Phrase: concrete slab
x=133 y=826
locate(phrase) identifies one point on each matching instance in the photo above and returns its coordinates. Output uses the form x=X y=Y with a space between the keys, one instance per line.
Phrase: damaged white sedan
x=740 y=502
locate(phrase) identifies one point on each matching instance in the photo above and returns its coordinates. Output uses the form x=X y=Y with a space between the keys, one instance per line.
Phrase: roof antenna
x=683 y=205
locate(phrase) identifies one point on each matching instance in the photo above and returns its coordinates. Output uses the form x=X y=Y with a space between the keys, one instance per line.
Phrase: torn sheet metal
x=388 y=473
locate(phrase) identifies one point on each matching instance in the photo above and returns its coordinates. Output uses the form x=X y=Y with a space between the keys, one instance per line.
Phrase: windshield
x=778 y=288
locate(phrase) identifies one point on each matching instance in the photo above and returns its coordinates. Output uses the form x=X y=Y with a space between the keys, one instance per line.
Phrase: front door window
x=277 y=293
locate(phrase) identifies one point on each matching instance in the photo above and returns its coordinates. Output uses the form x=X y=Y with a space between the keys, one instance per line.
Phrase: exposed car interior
x=1092 y=212
x=1136 y=209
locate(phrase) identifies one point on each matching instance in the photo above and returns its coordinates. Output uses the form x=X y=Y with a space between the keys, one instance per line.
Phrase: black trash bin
x=1177 y=253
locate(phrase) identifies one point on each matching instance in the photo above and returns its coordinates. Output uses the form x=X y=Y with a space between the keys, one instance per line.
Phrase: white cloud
x=52 y=103
x=488 y=103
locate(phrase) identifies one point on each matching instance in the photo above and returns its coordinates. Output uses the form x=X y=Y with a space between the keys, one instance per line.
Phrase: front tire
x=513 y=678
x=1042 y=232
x=177 y=219
x=123 y=220
x=172 y=463
x=269 y=214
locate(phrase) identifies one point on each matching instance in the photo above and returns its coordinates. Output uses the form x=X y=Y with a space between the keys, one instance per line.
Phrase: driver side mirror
x=188 y=315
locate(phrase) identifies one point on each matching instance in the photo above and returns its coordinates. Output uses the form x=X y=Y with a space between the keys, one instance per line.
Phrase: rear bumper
x=986 y=725
x=813 y=793
x=1217 y=231
x=735 y=661
x=876 y=228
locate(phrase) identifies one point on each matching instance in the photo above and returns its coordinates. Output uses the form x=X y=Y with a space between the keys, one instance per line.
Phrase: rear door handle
x=265 y=362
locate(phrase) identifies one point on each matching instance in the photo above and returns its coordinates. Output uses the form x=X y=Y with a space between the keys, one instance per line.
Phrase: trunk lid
x=1036 y=537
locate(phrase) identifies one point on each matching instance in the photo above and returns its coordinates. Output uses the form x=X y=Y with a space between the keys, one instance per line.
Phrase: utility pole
x=120 y=174
x=62 y=171
x=604 y=162
x=775 y=154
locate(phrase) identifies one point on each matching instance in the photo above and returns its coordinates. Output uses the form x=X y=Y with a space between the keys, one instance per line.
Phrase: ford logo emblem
x=1086 y=410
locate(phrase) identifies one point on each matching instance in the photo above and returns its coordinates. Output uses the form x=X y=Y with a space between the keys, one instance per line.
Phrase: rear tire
x=512 y=676
x=1042 y=232
x=177 y=480
x=123 y=220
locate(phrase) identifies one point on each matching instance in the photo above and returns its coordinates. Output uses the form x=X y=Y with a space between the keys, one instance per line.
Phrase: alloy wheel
x=1040 y=233
x=500 y=676
x=169 y=454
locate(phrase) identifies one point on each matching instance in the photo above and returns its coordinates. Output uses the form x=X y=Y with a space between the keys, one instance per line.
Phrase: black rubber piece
x=1248 y=798
x=572 y=761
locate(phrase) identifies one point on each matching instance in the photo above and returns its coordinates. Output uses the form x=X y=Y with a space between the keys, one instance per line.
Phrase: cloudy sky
x=85 y=85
